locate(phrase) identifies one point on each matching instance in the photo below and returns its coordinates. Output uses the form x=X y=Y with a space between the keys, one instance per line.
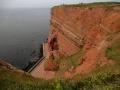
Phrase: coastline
x=40 y=60
x=33 y=63
x=39 y=71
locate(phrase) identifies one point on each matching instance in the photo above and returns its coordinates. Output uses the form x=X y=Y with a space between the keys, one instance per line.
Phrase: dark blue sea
x=22 y=31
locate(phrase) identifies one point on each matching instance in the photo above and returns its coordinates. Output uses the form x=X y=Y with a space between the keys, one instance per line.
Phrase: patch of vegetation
x=67 y=63
x=106 y=81
x=90 y=8
x=16 y=75
x=71 y=58
x=113 y=51
x=94 y=4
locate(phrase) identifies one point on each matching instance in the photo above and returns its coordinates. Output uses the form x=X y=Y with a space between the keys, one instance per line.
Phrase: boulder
x=72 y=69
x=50 y=65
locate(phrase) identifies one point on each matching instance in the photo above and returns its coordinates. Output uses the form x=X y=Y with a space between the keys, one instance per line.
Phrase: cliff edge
x=76 y=27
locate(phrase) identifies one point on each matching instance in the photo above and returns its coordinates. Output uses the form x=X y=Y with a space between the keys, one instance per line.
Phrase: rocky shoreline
x=32 y=63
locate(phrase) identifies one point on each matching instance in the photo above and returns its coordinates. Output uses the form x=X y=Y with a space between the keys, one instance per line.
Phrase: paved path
x=39 y=71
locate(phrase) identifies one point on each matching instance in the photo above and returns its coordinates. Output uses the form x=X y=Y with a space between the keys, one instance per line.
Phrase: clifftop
x=94 y=4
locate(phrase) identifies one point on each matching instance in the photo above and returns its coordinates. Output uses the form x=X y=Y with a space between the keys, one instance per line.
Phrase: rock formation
x=82 y=27
x=73 y=28
x=50 y=65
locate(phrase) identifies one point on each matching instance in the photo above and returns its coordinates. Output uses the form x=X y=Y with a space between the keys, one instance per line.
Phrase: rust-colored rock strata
x=85 y=27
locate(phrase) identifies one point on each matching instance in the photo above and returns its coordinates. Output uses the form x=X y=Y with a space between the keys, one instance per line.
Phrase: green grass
x=72 y=59
x=113 y=51
x=13 y=75
x=107 y=81
x=94 y=4
x=67 y=63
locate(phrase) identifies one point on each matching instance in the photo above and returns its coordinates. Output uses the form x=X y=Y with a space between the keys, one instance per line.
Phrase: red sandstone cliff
x=73 y=28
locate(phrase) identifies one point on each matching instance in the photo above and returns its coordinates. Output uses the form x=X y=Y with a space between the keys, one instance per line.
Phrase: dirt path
x=39 y=71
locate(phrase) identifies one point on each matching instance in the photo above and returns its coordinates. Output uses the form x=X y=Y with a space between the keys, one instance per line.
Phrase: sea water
x=22 y=31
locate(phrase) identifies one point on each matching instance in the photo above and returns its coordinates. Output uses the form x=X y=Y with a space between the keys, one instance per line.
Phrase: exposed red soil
x=99 y=59
x=86 y=28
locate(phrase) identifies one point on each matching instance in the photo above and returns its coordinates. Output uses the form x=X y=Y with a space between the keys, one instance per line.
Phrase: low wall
x=31 y=69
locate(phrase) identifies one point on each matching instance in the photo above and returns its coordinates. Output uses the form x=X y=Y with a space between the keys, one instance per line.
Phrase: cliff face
x=73 y=28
